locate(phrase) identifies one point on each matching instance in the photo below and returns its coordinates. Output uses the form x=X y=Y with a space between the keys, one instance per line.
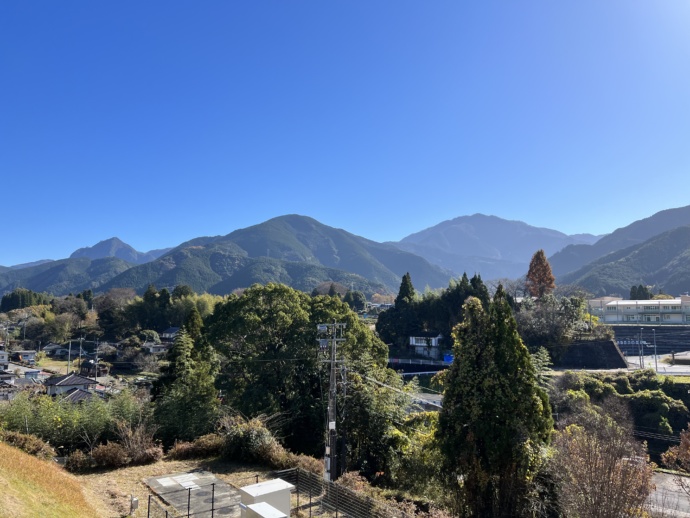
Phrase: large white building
x=613 y=310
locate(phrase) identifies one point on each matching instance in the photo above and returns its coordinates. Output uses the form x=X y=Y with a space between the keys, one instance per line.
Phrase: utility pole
x=331 y=331
x=656 y=364
x=641 y=349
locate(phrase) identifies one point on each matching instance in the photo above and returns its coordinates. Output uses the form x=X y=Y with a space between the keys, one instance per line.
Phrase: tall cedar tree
x=495 y=418
x=406 y=294
x=540 y=279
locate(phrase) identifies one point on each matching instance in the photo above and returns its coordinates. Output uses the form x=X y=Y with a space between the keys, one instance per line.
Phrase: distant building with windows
x=427 y=344
x=611 y=310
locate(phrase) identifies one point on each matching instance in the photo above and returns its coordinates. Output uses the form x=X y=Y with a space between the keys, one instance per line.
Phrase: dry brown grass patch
x=33 y=487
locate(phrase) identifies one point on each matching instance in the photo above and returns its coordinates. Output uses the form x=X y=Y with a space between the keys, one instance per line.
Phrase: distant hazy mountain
x=574 y=257
x=114 y=247
x=295 y=250
x=662 y=261
x=28 y=265
x=488 y=245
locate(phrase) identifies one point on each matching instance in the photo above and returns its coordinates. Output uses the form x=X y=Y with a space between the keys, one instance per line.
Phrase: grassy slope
x=32 y=487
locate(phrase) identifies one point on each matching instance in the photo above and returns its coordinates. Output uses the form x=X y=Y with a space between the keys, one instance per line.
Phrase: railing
x=414 y=361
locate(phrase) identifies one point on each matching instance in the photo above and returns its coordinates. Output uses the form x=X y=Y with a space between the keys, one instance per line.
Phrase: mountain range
x=494 y=247
x=302 y=252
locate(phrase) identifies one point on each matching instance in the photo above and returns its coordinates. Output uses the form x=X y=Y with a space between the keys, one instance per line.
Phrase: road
x=669 y=497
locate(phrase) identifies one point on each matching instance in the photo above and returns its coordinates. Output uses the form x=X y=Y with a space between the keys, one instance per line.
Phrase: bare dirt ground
x=110 y=491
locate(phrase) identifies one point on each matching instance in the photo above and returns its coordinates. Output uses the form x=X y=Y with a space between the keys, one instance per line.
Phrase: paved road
x=669 y=497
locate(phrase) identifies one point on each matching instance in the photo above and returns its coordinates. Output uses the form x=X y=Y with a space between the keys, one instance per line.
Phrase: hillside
x=488 y=245
x=574 y=257
x=295 y=250
x=63 y=276
x=33 y=487
x=662 y=261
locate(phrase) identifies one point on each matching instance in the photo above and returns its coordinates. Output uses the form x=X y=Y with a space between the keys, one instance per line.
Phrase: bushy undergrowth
x=209 y=445
x=251 y=441
x=110 y=455
x=28 y=443
x=78 y=462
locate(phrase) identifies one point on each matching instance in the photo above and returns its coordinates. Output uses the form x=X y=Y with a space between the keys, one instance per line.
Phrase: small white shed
x=264 y=510
x=274 y=492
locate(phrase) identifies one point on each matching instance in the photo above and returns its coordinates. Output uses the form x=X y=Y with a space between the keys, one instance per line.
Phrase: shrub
x=110 y=455
x=29 y=444
x=248 y=441
x=182 y=450
x=251 y=441
x=148 y=456
x=138 y=444
x=78 y=462
x=208 y=445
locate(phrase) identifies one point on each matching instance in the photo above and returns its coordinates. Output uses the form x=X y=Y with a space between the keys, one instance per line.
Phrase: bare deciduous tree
x=601 y=471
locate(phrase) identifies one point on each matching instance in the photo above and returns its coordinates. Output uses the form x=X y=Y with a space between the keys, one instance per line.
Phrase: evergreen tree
x=332 y=292
x=187 y=404
x=181 y=291
x=634 y=293
x=398 y=323
x=193 y=324
x=406 y=293
x=355 y=299
x=495 y=417
x=540 y=279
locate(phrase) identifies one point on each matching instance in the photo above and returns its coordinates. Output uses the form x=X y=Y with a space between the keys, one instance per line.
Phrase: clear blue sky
x=160 y=121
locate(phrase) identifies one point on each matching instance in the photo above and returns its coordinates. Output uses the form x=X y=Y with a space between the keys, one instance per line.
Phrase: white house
x=153 y=348
x=427 y=344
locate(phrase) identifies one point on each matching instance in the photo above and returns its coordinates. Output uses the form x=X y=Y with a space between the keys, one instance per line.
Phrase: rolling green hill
x=662 y=261
x=295 y=250
x=64 y=276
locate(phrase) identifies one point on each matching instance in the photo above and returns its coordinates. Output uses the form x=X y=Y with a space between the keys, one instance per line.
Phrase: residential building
x=169 y=334
x=61 y=384
x=24 y=356
x=153 y=348
x=427 y=344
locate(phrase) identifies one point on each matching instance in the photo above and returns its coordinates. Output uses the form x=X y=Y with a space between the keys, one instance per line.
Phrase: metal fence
x=155 y=510
x=202 y=501
x=313 y=496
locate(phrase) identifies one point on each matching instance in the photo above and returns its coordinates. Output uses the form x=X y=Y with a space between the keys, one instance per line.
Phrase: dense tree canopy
x=641 y=292
x=435 y=312
x=273 y=365
x=495 y=417
x=22 y=298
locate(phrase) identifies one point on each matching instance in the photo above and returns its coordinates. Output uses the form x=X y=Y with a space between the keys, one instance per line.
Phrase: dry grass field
x=32 y=487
